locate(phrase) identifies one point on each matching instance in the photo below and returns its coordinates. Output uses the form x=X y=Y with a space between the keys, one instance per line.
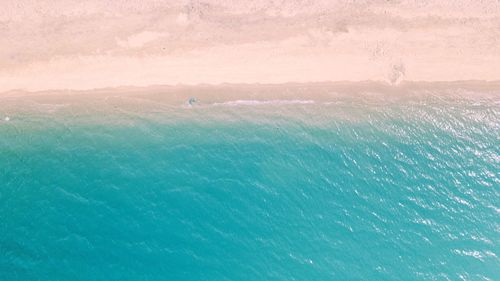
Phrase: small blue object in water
x=191 y=101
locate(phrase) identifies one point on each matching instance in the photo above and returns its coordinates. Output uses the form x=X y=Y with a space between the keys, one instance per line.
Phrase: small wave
x=262 y=102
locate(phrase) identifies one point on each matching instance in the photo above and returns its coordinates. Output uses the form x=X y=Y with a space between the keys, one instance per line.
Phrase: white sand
x=70 y=44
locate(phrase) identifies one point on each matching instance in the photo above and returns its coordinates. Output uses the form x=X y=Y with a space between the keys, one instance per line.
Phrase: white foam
x=7 y=119
x=262 y=102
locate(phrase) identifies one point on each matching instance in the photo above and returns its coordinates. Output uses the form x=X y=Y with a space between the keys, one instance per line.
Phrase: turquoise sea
x=355 y=188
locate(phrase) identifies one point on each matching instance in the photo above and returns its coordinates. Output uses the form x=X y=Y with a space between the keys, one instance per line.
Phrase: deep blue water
x=348 y=190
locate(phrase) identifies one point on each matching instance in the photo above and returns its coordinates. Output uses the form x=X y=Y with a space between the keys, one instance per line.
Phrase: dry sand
x=81 y=45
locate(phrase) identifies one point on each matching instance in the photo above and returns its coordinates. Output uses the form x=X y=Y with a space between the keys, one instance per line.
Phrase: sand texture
x=81 y=45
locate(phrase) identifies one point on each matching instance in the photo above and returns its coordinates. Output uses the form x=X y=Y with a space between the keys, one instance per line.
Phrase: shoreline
x=241 y=94
x=347 y=86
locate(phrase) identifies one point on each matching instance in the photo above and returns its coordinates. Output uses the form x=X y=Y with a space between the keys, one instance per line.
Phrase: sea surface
x=368 y=187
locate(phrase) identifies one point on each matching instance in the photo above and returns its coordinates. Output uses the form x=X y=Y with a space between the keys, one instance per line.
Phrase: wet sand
x=185 y=96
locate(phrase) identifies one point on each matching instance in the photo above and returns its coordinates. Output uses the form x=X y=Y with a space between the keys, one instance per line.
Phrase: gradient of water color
x=353 y=189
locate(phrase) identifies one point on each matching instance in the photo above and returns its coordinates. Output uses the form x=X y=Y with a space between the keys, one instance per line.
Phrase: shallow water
x=356 y=188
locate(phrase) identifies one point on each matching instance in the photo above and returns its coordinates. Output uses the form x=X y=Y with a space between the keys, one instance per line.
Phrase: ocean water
x=354 y=188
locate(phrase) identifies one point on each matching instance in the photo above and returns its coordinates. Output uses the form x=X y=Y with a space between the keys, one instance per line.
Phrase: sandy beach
x=73 y=45
x=249 y=140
